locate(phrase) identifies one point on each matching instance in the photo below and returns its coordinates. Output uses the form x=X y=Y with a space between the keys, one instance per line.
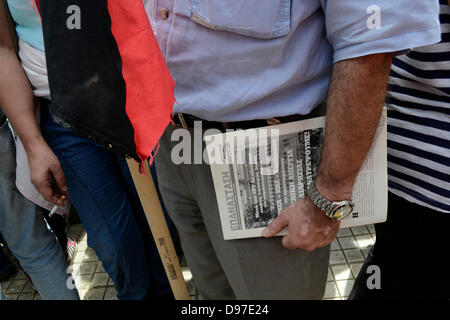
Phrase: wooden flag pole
x=158 y=225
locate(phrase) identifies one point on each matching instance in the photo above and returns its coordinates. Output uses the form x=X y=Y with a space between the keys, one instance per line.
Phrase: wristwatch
x=335 y=210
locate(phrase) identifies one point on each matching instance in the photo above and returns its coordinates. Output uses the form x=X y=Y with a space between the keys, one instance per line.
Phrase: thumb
x=276 y=226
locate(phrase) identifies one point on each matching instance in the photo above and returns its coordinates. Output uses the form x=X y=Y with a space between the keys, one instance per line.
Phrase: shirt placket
x=163 y=15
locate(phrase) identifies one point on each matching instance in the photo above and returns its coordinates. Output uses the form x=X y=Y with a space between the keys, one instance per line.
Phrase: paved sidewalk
x=348 y=252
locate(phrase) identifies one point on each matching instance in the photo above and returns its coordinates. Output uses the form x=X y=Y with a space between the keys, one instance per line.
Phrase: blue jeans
x=103 y=193
x=26 y=234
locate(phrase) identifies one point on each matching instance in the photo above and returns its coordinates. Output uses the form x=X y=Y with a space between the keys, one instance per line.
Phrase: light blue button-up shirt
x=236 y=60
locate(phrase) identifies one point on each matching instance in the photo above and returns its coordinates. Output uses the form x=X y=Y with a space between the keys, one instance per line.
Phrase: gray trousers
x=26 y=234
x=255 y=268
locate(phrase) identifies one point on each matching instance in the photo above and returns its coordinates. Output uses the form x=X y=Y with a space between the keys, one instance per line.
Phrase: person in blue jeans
x=63 y=163
x=102 y=190
x=25 y=231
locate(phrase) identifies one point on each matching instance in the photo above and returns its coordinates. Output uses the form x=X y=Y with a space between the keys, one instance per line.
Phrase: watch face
x=341 y=209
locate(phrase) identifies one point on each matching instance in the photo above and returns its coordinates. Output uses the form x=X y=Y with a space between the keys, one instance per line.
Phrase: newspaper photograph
x=259 y=172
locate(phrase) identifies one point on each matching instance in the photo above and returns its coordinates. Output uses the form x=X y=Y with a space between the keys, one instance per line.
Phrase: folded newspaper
x=259 y=172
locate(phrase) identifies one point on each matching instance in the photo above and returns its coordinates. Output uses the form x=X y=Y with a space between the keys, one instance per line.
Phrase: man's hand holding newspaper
x=308 y=227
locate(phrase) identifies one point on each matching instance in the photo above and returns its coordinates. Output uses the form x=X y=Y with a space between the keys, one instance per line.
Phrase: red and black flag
x=107 y=76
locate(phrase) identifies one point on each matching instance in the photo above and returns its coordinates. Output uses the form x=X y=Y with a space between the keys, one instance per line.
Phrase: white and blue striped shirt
x=419 y=122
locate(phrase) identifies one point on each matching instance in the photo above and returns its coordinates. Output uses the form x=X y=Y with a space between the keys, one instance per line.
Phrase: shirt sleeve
x=361 y=27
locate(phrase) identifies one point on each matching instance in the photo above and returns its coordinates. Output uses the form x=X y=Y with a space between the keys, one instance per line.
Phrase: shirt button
x=164 y=13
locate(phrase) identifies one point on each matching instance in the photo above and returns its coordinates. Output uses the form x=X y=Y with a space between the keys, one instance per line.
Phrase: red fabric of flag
x=149 y=85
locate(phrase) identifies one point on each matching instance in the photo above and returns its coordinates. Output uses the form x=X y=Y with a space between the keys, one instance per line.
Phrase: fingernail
x=265 y=233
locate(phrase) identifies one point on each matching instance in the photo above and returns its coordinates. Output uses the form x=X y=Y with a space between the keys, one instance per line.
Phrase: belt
x=187 y=121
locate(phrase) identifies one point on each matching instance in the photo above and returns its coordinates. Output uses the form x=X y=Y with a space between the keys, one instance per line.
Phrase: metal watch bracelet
x=322 y=203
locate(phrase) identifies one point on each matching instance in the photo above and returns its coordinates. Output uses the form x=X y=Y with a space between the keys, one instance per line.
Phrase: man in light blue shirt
x=238 y=61
x=257 y=59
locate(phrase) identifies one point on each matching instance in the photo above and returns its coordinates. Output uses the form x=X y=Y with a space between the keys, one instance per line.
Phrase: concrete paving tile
x=78 y=258
x=344 y=232
x=28 y=288
x=26 y=296
x=364 y=240
x=5 y=285
x=82 y=246
x=20 y=275
x=82 y=293
x=331 y=290
x=100 y=267
x=365 y=251
x=95 y=294
x=330 y=275
x=83 y=281
x=337 y=257
x=74 y=234
x=84 y=268
x=76 y=227
x=82 y=236
x=16 y=286
x=11 y=296
x=371 y=228
x=355 y=267
x=90 y=256
x=359 y=230
x=74 y=269
x=348 y=242
x=86 y=256
x=354 y=255
x=335 y=245
x=342 y=272
x=99 y=280
x=345 y=287
x=110 y=294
